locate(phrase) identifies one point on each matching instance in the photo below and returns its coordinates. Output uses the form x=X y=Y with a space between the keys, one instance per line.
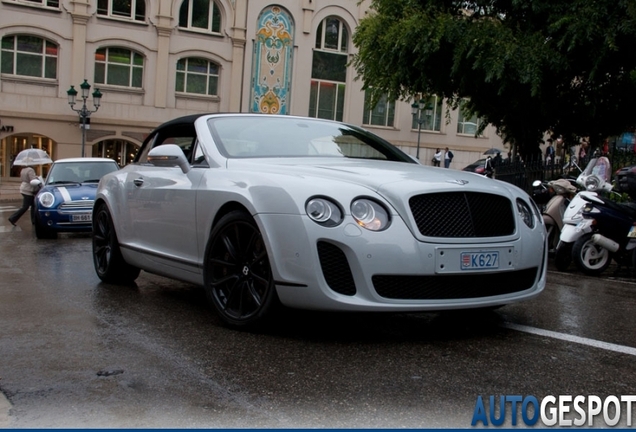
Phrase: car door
x=161 y=201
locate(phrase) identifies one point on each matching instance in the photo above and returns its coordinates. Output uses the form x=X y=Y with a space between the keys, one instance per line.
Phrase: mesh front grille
x=335 y=269
x=448 y=287
x=463 y=214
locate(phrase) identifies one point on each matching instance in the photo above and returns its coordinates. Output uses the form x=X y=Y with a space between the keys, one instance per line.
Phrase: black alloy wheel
x=107 y=258
x=237 y=274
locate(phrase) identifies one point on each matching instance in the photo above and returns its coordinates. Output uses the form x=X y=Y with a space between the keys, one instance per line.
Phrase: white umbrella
x=32 y=156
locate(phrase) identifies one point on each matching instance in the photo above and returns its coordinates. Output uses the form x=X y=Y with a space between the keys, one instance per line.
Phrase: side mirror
x=36 y=182
x=536 y=183
x=168 y=155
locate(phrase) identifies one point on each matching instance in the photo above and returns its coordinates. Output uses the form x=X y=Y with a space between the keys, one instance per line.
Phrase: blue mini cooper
x=65 y=202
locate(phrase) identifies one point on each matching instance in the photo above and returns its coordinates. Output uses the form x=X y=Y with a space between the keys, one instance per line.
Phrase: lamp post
x=416 y=111
x=84 y=112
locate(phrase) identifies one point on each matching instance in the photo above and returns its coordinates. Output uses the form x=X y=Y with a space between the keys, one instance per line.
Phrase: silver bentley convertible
x=265 y=210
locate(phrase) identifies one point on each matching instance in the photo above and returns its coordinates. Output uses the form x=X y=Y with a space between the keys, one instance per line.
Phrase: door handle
x=138 y=182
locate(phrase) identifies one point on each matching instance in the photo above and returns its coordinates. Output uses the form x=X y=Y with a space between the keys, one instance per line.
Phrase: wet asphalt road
x=75 y=352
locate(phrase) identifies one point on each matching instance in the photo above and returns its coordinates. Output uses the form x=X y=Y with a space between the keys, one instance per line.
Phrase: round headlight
x=323 y=211
x=592 y=183
x=525 y=212
x=370 y=214
x=47 y=199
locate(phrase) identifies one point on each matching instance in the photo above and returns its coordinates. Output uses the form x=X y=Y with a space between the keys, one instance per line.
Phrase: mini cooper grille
x=75 y=205
x=335 y=268
x=463 y=214
x=447 y=287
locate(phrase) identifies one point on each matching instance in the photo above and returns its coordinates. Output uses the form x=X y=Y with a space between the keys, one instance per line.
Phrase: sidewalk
x=10 y=191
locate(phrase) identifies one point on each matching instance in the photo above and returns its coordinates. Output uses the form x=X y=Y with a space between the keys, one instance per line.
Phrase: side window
x=198 y=157
x=183 y=136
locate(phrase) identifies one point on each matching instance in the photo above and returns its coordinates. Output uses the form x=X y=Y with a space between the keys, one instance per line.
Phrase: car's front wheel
x=107 y=258
x=237 y=273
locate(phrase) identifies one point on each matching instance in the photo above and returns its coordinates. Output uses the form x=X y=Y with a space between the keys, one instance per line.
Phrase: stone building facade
x=154 y=60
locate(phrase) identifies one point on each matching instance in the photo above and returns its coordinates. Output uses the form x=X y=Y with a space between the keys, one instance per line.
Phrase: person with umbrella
x=28 y=158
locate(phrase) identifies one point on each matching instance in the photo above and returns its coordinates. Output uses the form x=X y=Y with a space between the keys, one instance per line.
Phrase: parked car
x=479 y=166
x=314 y=214
x=65 y=201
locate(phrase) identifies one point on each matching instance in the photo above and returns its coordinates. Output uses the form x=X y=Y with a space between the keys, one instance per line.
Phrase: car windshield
x=79 y=172
x=265 y=136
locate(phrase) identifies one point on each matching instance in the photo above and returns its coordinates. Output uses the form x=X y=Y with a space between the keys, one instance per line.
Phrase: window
x=197 y=75
x=46 y=3
x=431 y=115
x=467 y=124
x=382 y=114
x=203 y=15
x=28 y=56
x=329 y=70
x=119 y=66
x=123 y=9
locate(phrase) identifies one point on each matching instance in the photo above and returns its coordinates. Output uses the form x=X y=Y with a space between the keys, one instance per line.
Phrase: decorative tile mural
x=273 y=49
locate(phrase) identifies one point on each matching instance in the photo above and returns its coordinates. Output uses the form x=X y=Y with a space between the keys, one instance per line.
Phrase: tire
x=563 y=256
x=553 y=237
x=237 y=275
x=590 y=258
x=42 y=232
x=107 y=258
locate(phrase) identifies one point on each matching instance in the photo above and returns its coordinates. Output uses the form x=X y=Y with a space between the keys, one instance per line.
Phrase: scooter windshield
x=599 y=167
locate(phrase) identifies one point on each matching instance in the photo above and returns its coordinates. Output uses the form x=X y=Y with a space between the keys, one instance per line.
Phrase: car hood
x=384 y=177
x=72 y=191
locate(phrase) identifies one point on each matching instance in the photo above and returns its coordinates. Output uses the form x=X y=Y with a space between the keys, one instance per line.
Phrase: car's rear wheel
x=237 y=273
x=107 y=258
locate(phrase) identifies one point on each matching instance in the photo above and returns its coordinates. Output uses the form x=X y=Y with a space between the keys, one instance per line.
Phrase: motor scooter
x=561 y=192
x=594 y=179
x=610 y=234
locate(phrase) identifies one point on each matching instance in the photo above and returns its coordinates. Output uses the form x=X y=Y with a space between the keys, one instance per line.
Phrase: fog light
x=49 y=223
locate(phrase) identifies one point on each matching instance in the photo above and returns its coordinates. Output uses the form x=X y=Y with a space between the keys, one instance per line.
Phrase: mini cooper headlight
x=370 y=214
x=323 y=211
x=525 y=212
x=47 y=199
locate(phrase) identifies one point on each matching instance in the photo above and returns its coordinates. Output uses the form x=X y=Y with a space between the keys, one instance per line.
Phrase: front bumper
x=79 y=219
x=351 y=269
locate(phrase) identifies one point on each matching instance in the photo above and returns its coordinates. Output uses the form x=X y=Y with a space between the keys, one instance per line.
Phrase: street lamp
x=84 y=112
x=416 y=111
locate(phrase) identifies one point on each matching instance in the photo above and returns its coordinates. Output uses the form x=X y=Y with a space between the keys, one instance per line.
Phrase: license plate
x=83 y=217
x=632 y=232
x=479 y=260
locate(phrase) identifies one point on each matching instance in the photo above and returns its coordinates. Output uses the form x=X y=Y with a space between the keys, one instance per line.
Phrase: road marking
x=8 y=209
x=9 y=228
x=570 y=338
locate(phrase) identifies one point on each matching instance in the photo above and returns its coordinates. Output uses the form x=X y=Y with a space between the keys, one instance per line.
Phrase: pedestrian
x=437 y=158
x=448 y=157
x=549 y=153
x=489 y=169
x=497 y=160
x=28 y=193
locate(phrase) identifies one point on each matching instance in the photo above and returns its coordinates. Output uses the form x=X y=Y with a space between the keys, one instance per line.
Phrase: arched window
x=329 y=70
x=202 y=15
x=29 y=56
x=122 y=9
x=119 y=66
x=197 y=75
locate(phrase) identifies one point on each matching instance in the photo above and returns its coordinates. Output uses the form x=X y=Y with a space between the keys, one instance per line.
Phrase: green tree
x=526 y=66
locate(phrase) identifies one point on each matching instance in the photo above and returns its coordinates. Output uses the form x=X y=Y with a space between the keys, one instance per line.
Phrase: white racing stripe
x=570 y=338
x=65 y=195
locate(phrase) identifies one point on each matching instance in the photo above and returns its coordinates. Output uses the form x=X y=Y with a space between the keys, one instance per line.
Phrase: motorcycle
x=610 y=234
x=594 y=179
x=560 y=192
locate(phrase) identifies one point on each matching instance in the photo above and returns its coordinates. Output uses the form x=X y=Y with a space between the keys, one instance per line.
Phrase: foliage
x=526 y=66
